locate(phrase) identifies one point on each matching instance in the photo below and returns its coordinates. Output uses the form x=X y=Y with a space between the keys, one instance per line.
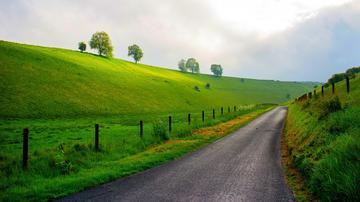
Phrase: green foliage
x=182 y=65
x=207 y=86
x=55 y=171
x=217 y=70
x=328 y=106
x=160 y=130
x=82 y=85
x=339 y=172
x=135 y=52
x=192 y=65
x=101 y=41
x=197 y=88
x=82 y=46
x=324 y=137
x=351 y=73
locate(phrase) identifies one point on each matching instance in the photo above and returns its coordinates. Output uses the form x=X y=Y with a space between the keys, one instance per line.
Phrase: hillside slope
x=323 y=137
x=50 y=82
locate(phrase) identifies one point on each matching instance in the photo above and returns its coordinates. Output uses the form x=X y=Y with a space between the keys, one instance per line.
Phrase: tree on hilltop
x=192 y=65
x=182 y=65
x=135 y=52
x=101 y=41
x=82 y=46
x=217 y=70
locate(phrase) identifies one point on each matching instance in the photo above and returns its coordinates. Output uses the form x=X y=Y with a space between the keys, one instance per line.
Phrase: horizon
x=299 y=41
x=130 y=61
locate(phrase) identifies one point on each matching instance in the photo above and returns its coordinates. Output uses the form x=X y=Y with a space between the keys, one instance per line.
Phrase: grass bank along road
x=244 y=166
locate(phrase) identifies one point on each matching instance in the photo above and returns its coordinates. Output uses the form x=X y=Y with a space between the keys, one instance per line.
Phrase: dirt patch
x=223 y=128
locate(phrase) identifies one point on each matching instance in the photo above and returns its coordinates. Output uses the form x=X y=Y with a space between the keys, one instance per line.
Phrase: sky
x=298 y=40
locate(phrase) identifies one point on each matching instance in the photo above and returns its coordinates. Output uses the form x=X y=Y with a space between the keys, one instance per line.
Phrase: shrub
x=197 y=88
x=207 y=86
x=160 y=130
x=328 y=106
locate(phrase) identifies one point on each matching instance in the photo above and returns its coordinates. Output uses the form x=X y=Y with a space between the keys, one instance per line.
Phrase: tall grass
x=324 y=141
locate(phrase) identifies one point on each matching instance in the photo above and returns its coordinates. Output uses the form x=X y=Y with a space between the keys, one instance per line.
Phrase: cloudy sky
x=268 y=39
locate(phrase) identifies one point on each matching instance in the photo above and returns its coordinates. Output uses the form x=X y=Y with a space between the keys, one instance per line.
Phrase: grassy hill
x=46 y=82
x=323 y=137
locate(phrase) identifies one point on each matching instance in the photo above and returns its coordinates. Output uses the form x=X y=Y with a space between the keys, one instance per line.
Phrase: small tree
x=182 y=65
x=135 y=52
x=82 y=46
x=192 y=65
x=101 y=41
x=217 y=70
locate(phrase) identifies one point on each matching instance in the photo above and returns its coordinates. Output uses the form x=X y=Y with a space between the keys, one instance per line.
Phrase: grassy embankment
x=323 y=139
x=60 y=94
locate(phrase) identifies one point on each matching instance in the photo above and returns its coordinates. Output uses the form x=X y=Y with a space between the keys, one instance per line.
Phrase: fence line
x=309 y=94
x=25 y=156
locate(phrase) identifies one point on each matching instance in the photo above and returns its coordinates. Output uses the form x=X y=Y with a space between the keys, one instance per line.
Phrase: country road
x=243 y=166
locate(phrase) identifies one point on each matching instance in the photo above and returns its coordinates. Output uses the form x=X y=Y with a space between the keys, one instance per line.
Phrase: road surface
x=243 y=166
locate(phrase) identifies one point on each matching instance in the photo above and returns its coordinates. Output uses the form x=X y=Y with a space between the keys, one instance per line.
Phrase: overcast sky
x=266 y=39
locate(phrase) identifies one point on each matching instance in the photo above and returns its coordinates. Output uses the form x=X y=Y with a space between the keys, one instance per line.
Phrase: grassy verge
x=323 y=140
x=70 y=164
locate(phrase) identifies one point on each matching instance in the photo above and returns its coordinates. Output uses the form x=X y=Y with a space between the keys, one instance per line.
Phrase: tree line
x=351 y=73
x=101 y=42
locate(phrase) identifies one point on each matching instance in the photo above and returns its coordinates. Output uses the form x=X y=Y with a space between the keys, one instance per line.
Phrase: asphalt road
x=243 y=166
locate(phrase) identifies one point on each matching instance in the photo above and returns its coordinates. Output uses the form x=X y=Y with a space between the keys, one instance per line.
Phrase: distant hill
x=46 y=82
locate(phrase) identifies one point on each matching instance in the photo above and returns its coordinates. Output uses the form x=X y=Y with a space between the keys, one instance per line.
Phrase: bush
x=328 y=106
x=160 y=130
x=197 y=88
x=207 y=86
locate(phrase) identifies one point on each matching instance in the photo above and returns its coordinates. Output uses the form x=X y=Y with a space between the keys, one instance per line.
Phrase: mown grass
x=323 y=136
x=40 y=82
x=63 y=160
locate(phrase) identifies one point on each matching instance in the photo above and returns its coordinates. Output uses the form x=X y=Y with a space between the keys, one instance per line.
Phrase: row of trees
x=101 y=42
x=193 y=66
x=351 y=72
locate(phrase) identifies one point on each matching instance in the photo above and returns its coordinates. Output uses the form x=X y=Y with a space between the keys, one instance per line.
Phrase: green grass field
x=60 y=94
x=323 y=136
x=40 y=82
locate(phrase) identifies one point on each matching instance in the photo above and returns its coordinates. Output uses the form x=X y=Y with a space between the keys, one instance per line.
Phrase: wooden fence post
x=97 y=137
x=347 y=84
x=203 y=116
x=222 y=110
x=213 y=113
x=169 y=123
x=333 y=87
x=25 y=148
x=189 y=118
x=322 y=90
x=141 y=129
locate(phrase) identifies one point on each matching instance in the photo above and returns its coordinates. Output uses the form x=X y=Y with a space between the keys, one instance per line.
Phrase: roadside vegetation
x=63 y=159
x=323 y=139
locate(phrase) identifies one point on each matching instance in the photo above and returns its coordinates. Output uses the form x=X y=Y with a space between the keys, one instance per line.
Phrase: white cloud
x=259 y=38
